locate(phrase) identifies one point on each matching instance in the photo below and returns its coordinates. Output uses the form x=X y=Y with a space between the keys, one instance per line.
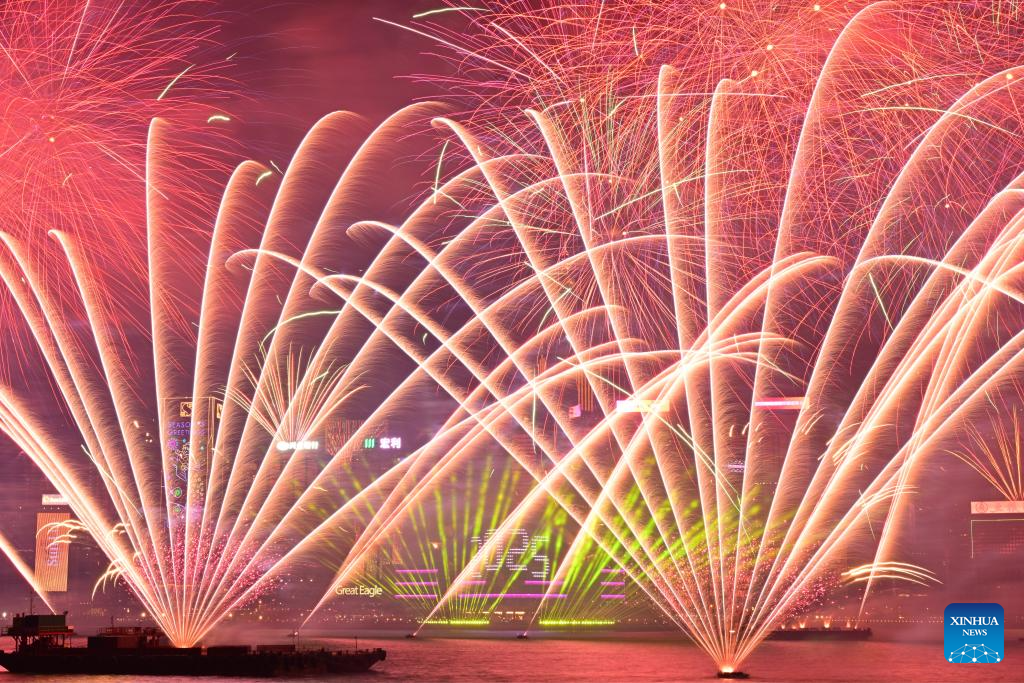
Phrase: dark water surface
x=458 y=660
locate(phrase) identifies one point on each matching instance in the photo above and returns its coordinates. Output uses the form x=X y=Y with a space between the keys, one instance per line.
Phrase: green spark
x=300 y=316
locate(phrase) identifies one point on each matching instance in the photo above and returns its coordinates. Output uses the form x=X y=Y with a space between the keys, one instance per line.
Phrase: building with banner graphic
x=51 y=558
x=189 y=431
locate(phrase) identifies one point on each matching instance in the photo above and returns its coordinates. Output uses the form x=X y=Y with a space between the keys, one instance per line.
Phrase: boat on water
x=42 y=646
x=820 y=633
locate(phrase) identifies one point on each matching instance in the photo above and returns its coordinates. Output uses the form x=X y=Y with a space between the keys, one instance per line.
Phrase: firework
x=722 y=324
x=993 y=444
x=781 y=288
x=187 y=456
x=81 y=81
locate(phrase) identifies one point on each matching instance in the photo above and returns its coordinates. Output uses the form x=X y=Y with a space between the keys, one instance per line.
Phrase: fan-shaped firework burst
x=778 y=295
x=79 y=83
x=187 y=457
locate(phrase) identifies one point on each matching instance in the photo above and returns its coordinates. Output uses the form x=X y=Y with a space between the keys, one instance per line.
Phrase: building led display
x=51 y=566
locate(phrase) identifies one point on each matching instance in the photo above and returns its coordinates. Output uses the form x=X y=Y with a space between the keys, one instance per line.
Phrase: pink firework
x=778 y=243
x=80 y=81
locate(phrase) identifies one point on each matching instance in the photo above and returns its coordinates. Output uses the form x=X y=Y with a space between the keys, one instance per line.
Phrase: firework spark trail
x=996 y=457
x=868 y=338
x=25 y=571
x=39 y=310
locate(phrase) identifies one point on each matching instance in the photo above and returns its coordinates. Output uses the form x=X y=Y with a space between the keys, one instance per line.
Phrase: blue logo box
x=974 y=633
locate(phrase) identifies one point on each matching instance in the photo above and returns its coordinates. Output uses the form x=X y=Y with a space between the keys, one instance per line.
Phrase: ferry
x=42 y=646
